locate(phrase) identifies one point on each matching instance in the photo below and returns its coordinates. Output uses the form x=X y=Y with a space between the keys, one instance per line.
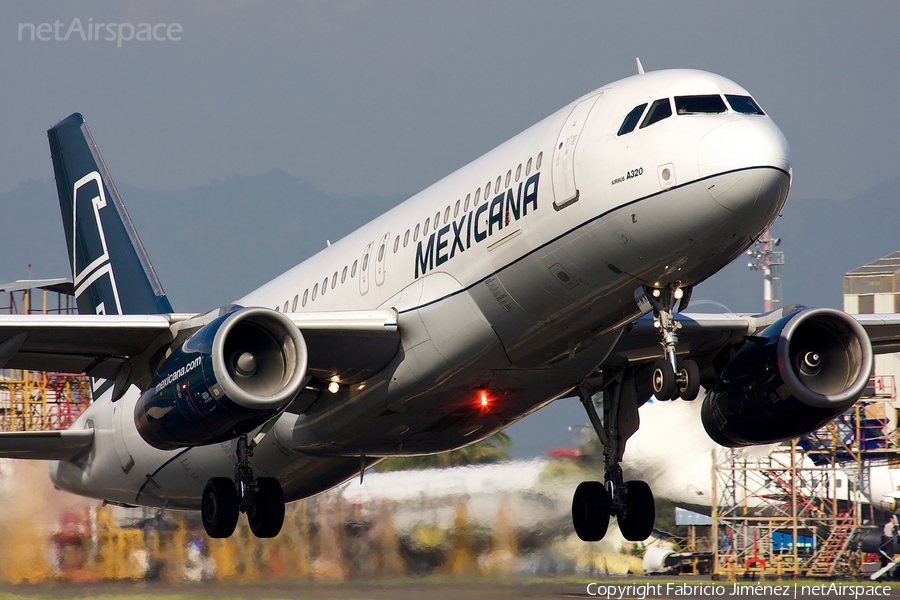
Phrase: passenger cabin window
x=528 y=168
x=424 y=229
x=537 y=163
x=631 y=119
x=477 y=196
x=334 y=280
x=699 y=105
x=487 y=191
x=744 y=105
x=466 y=205
x=294 y=304
x=305 y=296
x=324 y=286
x=519 y=172
x=508 y=177
x=446 y=215
x=437 y=220
x=659 y=110
x=497 y=184
x=353 y=270
x=396 y=244
x=406 y=238
x=285 y=306
x=456 y=209
x=416 y=234
x=344 y=275
x=315 y=291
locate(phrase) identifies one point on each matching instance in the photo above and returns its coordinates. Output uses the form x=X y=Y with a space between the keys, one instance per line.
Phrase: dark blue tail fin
x=110 y=268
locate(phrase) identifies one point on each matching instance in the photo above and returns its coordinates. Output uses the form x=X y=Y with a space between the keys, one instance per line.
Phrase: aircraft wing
x=703 y=333
x=46 y=445
x=883 y=330
x=347 y=344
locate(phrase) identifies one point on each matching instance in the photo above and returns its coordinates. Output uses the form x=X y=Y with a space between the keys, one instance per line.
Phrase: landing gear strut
x=630 y=502
x=669 y=378
x=261 y=498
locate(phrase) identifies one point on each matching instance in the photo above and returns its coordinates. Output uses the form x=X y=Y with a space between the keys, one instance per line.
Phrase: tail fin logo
x=90 y=254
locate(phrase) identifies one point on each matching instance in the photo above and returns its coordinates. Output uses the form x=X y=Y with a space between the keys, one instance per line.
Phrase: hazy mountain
x=212 y=244
x=822 y=240
x=209 y=245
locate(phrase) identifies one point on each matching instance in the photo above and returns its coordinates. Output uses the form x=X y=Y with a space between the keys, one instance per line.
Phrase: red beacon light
x=484 y=402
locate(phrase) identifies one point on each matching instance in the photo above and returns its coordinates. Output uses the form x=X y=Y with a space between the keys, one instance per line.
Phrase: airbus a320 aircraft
x=557 y=264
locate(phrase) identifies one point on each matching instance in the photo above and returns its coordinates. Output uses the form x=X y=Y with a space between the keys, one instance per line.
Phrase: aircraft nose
x=743 y=143
x=753 y=156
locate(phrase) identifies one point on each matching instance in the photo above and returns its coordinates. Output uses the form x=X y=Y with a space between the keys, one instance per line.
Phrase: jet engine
x=228 y=378
x=799 y=373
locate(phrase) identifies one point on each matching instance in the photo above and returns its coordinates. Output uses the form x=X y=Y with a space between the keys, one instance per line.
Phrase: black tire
x=267 y=515
x=689 y=373
x=590 y=511
x=219 y=507
x=662 y=379
x=637 y=523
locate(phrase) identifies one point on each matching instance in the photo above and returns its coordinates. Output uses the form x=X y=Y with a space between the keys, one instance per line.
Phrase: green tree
x=490 y=450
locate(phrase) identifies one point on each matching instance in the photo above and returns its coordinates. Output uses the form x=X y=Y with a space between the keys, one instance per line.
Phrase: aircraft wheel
x=662 y=377
x=219 y=507
x=590 y=511
x=267 y=515
x=637 y=523
x=688 y=379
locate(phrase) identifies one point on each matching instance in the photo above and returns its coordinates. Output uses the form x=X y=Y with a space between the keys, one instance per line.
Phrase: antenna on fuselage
x=639 y=65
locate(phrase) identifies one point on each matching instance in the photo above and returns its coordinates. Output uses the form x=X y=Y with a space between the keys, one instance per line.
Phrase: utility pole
x=769 y=262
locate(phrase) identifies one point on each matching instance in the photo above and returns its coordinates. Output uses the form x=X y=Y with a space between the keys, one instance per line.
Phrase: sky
x=363 y=98
x=381 y=97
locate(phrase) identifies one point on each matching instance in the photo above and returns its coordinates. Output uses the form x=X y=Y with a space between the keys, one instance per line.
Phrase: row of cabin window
x=315 y=289
x=465 y=208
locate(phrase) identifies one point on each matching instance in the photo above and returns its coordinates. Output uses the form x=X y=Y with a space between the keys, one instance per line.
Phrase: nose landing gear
x=630 y=502
x=671 y=379
x=261 y=498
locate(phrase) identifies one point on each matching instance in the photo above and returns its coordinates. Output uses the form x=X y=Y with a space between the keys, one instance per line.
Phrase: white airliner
x=518 y=279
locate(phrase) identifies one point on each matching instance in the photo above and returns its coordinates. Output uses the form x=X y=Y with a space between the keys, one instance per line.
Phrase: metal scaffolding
x=803 y=509
x=32 y=400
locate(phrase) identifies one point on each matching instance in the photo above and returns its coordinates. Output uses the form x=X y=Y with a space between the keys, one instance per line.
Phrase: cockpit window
x=692 y=105
x=659 y=110
x=631 y=120
x=744 y=104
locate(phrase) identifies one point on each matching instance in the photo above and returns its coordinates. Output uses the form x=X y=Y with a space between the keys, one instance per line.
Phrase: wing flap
x=883 y=330
x=46 y=445
x=349 y=345
x=703 y=333
x=96 y=345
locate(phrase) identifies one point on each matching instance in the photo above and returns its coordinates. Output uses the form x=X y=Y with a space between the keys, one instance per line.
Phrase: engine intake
x=230 y=377
x=799 y=373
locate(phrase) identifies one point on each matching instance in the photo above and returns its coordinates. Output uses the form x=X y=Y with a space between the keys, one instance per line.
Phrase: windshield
x=693 y=105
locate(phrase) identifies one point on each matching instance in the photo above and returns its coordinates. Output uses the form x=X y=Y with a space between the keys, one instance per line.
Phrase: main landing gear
x=261 y=498
x=669 y=378
x=631 y=502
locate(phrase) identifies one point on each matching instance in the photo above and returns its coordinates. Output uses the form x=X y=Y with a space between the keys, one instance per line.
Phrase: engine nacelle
x=230 y=377
x=799 y=373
